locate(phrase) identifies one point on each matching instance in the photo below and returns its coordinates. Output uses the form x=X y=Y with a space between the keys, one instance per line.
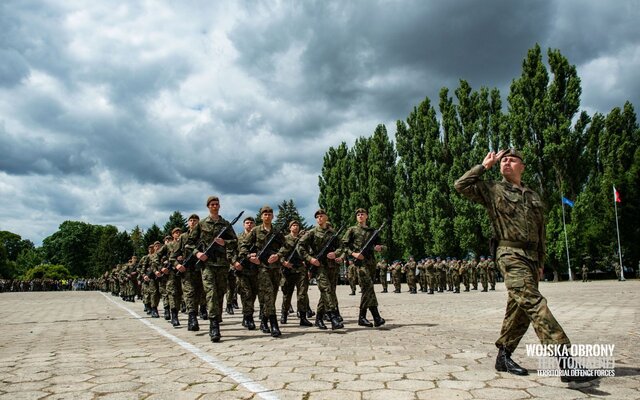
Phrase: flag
x=616 y=195
x=567 y=201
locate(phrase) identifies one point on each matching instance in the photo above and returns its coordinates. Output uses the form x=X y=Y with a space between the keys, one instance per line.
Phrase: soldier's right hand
x=237 y=266
x=202 y=256
x=358 y=256
x=314 y=261
x=492 y=158
x=254 y=259
x=180 y=268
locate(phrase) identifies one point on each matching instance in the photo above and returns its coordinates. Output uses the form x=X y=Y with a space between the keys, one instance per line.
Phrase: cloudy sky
x=120 y=112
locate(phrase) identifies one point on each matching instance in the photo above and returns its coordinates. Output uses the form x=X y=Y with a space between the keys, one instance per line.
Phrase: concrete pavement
x=88 y=345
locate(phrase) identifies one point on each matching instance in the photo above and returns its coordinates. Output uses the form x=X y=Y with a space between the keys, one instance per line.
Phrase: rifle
x=322 y=254
x=207 y=251
x=285 y=270
x=262 y=255
x=367 y=245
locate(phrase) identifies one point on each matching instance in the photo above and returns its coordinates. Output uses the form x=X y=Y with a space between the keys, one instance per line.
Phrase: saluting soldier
x=517 y=218
x=353 y=245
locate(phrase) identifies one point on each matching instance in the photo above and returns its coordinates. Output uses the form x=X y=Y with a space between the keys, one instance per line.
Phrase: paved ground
x=77 y=345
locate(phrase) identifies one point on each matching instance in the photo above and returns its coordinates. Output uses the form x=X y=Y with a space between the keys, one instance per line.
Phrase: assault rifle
x=294 y=253
x=366 y=249
x=263 y=254
x=208 y=251
x=322 y=254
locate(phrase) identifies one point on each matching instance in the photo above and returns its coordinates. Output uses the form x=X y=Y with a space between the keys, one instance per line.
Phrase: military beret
x=167 y=238
x=319 y=211
x=266 y=209
x=151 y=246
x=361 y=210
x=294 y=222
x=249 y=219
x=212 y=198
x=513 y=153
x=156 y=243
x=176 y=229
x=194 y=216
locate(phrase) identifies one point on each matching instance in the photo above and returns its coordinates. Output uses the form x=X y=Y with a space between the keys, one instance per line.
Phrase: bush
x=48 y=271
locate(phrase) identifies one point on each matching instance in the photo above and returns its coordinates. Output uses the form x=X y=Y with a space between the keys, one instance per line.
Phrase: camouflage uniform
x=517 y=219
x=396 y=276
x=383 y=267
x=352 y=277
x=585 y=272
x=296 y=278
x=410 y=272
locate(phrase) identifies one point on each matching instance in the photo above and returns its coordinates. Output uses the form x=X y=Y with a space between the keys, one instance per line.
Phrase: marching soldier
x=247 y=280
x=383 y=267
x=295 y=277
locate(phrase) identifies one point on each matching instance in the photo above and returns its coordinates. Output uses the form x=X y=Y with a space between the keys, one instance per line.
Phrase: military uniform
x=585 y=272
x=294 y=277
x=352 y=277
x=383 y=267
x=410 y=273
x=396 y=276
x=516 y=214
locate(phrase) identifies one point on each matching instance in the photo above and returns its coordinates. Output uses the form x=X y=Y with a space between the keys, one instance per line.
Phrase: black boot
x=353 y=292
x=229 y=309
x=174 y=317
x=504 y=363
x=385 y=290
x=214 y=330
x=192 y=325
x=234 y=303
x=183 y=308
x=291 y=309
x=154 y=312
x=283 y=317
x=264 y=325
x=335 y=323
x=377 y=319
x=167 y=314
x=430 y=291
x=146 y=309
x=310 y=313
x=303 y=319
x=572 y=371
x=362 y=319
x=275 y=330
x=204 y=314
x=319 y=321
x=248 y=322
x=338 y=316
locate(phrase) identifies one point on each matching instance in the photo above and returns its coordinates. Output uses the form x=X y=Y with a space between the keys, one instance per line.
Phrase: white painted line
x=243 y=380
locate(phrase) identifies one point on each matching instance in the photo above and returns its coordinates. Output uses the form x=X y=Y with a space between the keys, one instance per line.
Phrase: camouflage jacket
x=355 y=238
x=255 y=241
x=203 y=234
x=516 y=214
x=314 y=240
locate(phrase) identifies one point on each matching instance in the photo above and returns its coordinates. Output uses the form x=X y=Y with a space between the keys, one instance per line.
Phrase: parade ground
x=92 y=345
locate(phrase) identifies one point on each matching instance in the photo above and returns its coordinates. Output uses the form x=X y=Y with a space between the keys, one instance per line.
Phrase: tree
x=176 y=220
x=48 y=271
x=72 y=246
x=287 y=212
x=152 y=235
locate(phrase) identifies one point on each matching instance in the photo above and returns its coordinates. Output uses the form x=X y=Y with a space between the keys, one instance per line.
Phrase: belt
x=533 y=246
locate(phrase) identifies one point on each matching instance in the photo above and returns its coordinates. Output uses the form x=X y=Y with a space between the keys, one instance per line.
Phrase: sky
x=121 y=112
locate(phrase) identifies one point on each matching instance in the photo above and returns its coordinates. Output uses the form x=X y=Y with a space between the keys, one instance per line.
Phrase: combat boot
x=353 y=293
x=264 y=325
x=229 y=309
x=377 y=319
x=275 y=330
x=430 y=291
x=304 y=321
x=310 y=313
x=167 y=315
x=484 y=290
x=384 y=291
x=192 y=325
x=335 y=323
x=283 y=317
x=214 y=330
x=362 y=319
x=174 y=317
x=291 y=309
x=154 y=312
x=571 y=371
x=319 y=321
x=234 y=303
x=146 y=308
x=183 y=308
x=493 y=288
x=204 y=314
x=504 y=363
x=338 y=316
x=248 y=322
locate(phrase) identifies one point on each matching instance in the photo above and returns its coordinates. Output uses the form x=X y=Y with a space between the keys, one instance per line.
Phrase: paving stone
x=335 y=394
x=444 y=394
x=461 y=385
x=411 y=385
x=388 y=394
x=360 y=385
x=499 y=394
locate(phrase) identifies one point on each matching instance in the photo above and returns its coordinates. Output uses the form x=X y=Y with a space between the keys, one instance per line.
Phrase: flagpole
x=615 y=205
x=566 y=241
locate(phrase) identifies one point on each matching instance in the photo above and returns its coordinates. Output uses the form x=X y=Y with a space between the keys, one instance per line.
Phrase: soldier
x=161 y=266
x=474 y=273
x=174 y=282
x=516 y=214
x=616 y=267
x=454 y=273
x=353 y=245
x=421 y=275
x=247 y=280
x=191 y=279
x=410 y=273
x=430 y=267
x=322 y=237
x=295 y=276
x=464 y=274
x=483 y=271
x=396 y=276
x=442 y=275
x=585 y=272
x=214 y=266
x=262 y=247
x=383 y=267
x=491 y=273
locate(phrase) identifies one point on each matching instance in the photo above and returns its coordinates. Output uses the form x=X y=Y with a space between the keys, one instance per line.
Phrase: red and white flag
x=616 y=195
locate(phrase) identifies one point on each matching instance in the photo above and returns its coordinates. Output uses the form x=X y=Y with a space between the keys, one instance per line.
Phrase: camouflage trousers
x=525 y=304
x=174 y=290
x=232 y=288
x=442 y=280
x=352 y=277
x=383 y=279
x=411 y=280
x=483 y=278
x=214 y=280
x=162 y=289
x=248 y=289
x=368 y=298
x=396 y=278
x=455 y=280
x=474 y=278
x=151 y=293
x=193 y=289
x=299 y=281
x=328 y=299
x=268 y=283
x=491 y=277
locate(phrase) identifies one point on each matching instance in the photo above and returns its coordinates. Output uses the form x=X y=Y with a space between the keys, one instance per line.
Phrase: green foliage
x=48 y=271
x=176 y=220
x=287 y=212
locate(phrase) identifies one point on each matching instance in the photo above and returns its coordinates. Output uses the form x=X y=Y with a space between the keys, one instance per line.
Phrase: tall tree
x=287 y=212
x=176 y=220
x=152 y=235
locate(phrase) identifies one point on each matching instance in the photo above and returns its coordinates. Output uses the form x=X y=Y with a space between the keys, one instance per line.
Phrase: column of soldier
x=436 y=275
x=193 y=271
